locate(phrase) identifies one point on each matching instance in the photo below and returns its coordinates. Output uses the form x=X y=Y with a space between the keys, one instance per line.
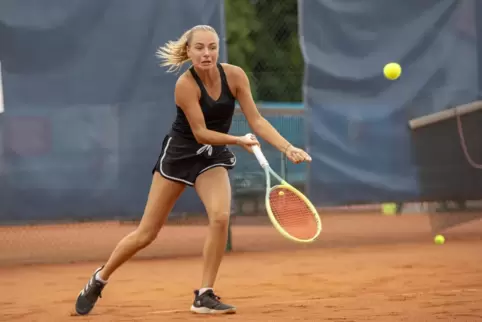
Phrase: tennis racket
x=289 y=210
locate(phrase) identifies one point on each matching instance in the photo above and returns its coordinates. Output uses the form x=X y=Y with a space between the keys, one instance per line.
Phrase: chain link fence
x=262 y=38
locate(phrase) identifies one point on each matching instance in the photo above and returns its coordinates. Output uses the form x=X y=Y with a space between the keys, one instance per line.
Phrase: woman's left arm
x=260 y=126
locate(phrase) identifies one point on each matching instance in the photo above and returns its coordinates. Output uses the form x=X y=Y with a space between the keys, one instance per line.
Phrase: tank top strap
x=224 y=81
x=197 y=79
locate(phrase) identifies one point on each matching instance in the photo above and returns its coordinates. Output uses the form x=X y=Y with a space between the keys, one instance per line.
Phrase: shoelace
x=97 y=288
x=212 y=295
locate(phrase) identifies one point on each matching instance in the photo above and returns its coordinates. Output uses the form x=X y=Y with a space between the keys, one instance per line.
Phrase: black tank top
x=217 y=113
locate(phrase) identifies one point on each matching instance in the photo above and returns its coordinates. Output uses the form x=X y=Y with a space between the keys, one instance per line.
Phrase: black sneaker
x=89 y=295
x=208 y=303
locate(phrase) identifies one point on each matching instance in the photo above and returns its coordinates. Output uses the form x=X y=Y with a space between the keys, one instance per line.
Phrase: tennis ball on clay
x=392 y=71
x=439 y=239
x=389 y=208
x=281 y=193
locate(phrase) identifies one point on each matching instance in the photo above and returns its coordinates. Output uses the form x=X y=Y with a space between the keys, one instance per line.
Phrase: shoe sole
x=205 y=310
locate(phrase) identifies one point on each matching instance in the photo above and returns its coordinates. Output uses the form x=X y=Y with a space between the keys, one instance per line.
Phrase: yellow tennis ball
x=439 y=239
x=392 y=71
x=281 y=193
x=389 y=208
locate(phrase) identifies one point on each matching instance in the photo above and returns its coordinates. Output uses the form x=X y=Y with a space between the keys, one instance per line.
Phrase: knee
x=144 y=237
x=219 y=219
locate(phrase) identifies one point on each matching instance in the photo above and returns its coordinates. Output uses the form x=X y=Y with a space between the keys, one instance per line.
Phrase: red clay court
x=365 y=267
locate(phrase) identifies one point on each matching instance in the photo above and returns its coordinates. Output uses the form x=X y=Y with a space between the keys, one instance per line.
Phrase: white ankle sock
x=97 y=277
x=204 y=289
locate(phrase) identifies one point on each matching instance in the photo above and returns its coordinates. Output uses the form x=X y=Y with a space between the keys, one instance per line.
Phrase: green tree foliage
x=262 y=38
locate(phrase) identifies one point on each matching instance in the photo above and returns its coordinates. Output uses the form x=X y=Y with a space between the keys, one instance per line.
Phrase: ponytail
x=174 y=53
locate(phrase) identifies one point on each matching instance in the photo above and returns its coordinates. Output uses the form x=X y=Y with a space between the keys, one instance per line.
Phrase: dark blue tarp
x=356 y=119
x=87 y=104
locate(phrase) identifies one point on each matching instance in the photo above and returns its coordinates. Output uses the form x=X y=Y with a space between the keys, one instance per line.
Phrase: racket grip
x=263 y=162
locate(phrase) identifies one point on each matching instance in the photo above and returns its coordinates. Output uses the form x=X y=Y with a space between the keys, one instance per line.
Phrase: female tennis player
x=195 y=153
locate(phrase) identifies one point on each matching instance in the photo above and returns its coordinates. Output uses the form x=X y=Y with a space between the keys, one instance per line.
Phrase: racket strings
x=292 y=213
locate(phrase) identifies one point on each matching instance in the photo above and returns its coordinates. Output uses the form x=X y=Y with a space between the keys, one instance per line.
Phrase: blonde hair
x=174 y=53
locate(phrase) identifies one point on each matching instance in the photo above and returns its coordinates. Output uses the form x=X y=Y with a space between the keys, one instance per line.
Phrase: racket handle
x=263 y=162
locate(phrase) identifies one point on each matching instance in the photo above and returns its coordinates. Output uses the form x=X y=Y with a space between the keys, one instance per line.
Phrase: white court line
x=315 y=300
x=168 y=311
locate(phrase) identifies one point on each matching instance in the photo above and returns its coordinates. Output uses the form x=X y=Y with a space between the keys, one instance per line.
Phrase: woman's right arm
x=188 y=101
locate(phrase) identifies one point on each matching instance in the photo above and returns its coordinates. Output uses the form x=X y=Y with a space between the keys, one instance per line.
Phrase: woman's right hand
x=247 y=141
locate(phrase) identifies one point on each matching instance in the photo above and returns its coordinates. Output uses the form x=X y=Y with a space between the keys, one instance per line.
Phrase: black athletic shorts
x=182 y=160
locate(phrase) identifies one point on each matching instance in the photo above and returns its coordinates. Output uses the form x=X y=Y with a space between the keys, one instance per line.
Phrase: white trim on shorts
x=203 y=170
x=218 y=165
x=164 y=174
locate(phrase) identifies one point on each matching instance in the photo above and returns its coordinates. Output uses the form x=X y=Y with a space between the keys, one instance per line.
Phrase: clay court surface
x=365 y=267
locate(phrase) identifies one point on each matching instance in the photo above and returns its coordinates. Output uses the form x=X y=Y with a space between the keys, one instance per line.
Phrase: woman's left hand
x=297 y=155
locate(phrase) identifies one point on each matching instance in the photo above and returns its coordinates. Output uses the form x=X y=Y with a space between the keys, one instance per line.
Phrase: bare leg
x=162 y=197
x=214 y=190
